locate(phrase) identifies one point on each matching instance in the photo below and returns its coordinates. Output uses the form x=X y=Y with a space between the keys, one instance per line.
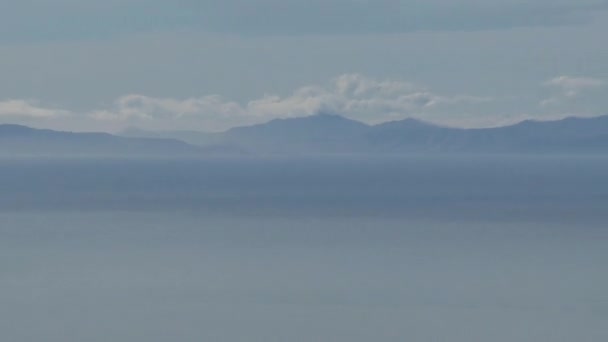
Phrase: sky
x=92 y=65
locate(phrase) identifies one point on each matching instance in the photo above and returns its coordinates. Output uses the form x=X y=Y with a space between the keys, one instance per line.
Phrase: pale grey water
x=384 y=249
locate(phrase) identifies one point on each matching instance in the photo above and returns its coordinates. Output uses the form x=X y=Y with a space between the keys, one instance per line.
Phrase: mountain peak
x=407 y=123
x=316 y=122
x=319 y=117
x=325 y=115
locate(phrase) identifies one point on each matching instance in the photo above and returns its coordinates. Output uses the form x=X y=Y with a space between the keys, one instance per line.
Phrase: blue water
x=343 y=249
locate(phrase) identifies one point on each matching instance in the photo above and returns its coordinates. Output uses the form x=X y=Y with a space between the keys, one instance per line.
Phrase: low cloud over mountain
x=353 y=96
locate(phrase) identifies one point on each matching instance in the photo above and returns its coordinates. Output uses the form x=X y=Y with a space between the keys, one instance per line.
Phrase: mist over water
x=318 y=249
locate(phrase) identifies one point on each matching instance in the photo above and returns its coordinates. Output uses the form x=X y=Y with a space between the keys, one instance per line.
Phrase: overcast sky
x=210 y=65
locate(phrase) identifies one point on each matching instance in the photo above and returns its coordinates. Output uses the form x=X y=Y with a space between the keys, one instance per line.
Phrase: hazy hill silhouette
x=333 y=134
x=18 y=140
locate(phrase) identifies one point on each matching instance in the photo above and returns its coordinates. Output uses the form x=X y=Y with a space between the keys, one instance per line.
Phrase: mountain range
x=322 y=134
x=334 y=134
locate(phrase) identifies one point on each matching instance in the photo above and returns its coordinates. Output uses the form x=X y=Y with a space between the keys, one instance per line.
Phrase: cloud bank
x=351 y=95
x=24 y=109
x=570 y=88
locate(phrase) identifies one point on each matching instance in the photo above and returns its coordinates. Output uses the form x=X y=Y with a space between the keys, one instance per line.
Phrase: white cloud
x=572 y=86
x=569 y=88
x=359 y=97
x=139 y=108
x=24 y=109
x=351 y=95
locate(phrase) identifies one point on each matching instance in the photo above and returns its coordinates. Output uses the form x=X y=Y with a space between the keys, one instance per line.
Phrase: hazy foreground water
x=344 y=250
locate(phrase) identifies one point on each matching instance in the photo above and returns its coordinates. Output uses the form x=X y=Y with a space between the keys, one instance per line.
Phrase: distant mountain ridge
x=323 y=134
x=334 y=134
x=313 y=134
x=17 y=140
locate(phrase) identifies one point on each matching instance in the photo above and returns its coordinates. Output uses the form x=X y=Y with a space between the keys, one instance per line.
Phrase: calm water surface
x=383 y=249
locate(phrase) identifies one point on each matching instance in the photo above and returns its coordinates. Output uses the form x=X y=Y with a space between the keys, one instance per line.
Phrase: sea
x=337 y=249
